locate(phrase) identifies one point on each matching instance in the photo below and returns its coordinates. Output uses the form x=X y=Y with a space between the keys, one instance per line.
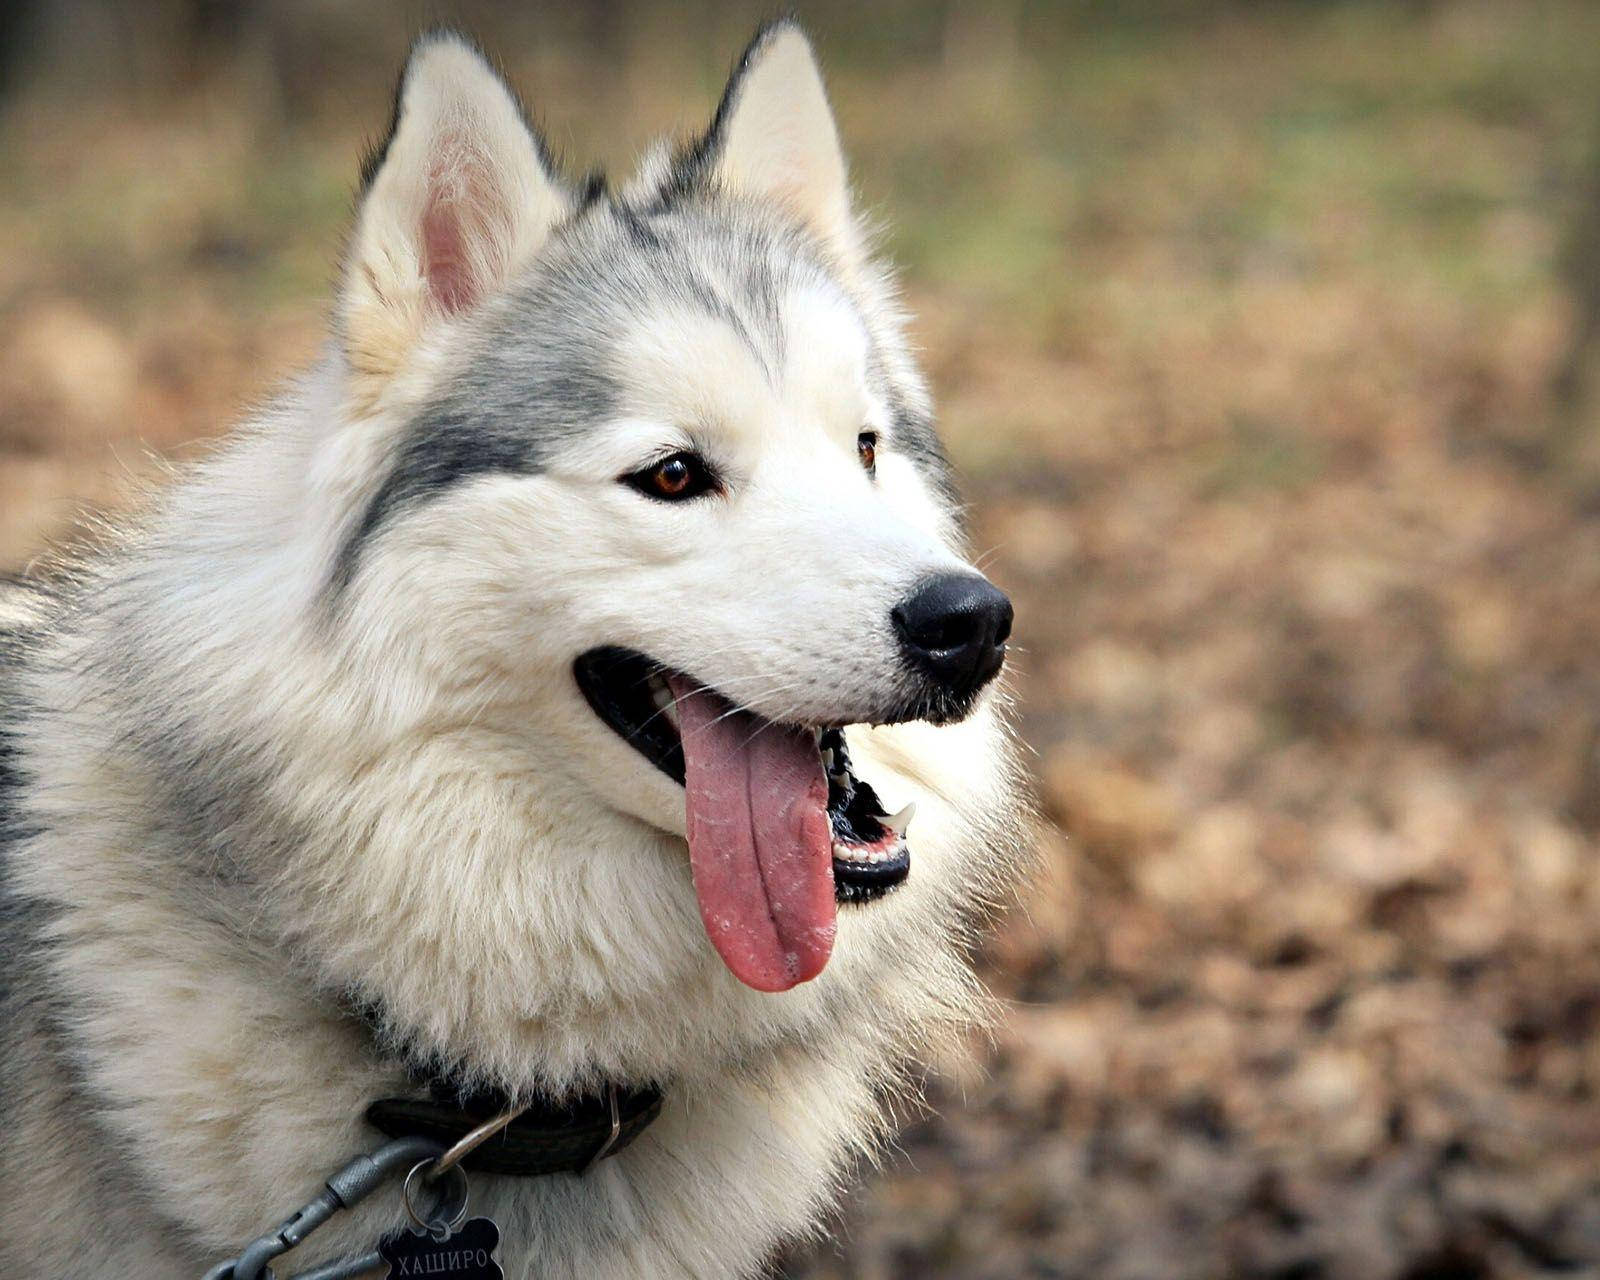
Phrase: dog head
x=647 y=482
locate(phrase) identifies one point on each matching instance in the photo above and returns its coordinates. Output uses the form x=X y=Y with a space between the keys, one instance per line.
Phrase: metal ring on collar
x=445 y=1216
x=610 y=1140
x=472 y=1141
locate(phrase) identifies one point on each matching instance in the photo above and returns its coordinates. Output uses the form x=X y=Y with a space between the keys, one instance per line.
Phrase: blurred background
x=1264 y=337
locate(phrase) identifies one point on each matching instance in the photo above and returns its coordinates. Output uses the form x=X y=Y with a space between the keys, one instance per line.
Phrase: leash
x=438 y=1139
x=344 y=1190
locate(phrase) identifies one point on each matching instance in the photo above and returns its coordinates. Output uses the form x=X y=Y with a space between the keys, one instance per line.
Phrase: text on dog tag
x=467 y=1254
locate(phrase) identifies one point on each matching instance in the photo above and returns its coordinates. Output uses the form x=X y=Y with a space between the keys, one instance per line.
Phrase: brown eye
x=674 y=479
x=867 y=449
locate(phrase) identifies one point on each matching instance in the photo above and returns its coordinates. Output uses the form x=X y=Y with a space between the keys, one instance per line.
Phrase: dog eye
x=867 y=450
x=676 y=478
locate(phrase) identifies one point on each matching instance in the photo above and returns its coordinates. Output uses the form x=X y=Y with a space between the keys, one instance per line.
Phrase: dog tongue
x=760 y=843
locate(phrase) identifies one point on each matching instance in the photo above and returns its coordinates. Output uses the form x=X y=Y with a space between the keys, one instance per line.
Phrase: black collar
x=548 y=1137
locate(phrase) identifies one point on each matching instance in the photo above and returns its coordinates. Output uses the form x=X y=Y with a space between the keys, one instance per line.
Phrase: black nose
x=953 y=629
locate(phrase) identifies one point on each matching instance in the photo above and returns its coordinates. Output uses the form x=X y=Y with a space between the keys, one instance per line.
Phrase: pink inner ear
x=447 y=265
x=459 y=226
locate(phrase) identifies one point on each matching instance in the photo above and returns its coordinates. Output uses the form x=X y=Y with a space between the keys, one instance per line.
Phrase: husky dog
x=532 y=703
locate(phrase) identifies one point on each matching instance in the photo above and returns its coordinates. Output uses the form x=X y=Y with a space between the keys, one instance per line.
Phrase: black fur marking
x=692 y=164
x=441 y=450
x=378 y=152
x=915 y=436
x=715 y=304
x=640 y=232
x=594 y=188
x=477 y=429
x=10 y=778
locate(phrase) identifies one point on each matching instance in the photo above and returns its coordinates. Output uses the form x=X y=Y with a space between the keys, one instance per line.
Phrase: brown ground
x=1244 y=327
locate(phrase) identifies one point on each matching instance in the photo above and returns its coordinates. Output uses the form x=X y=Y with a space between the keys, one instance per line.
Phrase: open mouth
x=780 y=829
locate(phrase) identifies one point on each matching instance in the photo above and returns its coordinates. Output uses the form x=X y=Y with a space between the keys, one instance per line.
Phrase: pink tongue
x=760 y=843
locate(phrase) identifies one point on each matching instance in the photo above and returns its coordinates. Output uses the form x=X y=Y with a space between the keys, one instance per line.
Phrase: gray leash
x=346 y=1189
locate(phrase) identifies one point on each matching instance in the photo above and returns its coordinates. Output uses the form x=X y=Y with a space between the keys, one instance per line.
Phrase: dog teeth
x=836 y=763
x=666 y=704
x=898 y=822
x=849 y=853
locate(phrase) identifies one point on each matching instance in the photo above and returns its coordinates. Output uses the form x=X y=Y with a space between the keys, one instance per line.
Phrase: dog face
x=657 y=479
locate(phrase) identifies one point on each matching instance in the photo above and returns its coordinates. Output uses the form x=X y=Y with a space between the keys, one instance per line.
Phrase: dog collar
x=545 y=1138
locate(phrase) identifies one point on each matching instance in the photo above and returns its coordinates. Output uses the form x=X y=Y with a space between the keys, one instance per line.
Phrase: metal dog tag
x=466 y=1254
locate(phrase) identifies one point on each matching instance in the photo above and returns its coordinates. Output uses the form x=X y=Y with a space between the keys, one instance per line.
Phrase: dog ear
x=774 y=137
x=458 y=197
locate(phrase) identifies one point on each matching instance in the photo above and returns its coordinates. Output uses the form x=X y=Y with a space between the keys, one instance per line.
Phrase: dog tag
x=467 y=1254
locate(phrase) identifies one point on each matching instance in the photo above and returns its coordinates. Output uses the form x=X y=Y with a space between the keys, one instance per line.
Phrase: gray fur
x=22 y=606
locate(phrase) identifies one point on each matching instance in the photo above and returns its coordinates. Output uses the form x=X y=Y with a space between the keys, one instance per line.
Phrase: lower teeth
x=848 y=853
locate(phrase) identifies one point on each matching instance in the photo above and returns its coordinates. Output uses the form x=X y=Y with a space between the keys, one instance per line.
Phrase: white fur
x=454 y=830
